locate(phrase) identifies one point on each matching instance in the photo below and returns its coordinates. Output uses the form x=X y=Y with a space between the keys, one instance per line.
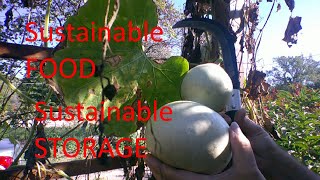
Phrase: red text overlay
x=130 y=33
x=82 y=64
x=88 y=147
x=83 y=34
x=129 y=113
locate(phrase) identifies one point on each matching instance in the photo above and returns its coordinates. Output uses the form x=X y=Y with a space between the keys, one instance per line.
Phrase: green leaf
x=164 y=81
x=301 y=145
x=133 y=70
x=12 y=139
x=284 y=94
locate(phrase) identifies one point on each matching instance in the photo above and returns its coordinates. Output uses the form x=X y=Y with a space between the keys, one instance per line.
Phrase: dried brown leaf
x=278 y=7
x=290 y=4
x=291 y=34
x=256 y=85
x=113 y=60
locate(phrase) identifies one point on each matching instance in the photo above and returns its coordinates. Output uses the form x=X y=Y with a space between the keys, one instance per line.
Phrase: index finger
x=248 y=127
x=226 y=118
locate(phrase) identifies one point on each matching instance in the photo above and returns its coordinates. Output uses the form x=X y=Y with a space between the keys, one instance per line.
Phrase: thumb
x=249 y=127
x=241 y=148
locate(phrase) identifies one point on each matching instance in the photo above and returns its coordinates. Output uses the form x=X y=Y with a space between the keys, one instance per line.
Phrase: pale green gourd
x=196 y=139
x=207 y=84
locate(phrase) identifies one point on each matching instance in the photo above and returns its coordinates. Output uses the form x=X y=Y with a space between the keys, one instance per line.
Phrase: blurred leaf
x=298 y=122
x=278 y=7
x=12 y=139
x=290 y=4
x=291 y=33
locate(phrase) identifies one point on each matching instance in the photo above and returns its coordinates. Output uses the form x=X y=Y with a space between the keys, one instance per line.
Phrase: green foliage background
x=297 y=116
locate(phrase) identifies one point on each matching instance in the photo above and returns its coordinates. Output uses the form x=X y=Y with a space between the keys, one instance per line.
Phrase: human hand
x=272 y=161
x=244 y=164
x=263 y=146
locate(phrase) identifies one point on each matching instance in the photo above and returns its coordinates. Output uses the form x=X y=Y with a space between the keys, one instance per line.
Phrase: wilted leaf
x=290 y=4
x=256 y=85
x=63 y=174
x=9 y=16
x=291 y=34
x=278 y=7
x=27 y=3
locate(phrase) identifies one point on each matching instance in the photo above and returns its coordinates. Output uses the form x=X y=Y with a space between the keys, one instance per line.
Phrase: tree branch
x=24 y=52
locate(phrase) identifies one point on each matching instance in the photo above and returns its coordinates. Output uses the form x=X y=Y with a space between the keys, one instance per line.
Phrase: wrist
x=283 y=166
x=272 y=163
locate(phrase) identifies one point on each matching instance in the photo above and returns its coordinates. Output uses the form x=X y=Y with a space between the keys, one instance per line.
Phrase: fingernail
x=145 y=152
x=235 y=127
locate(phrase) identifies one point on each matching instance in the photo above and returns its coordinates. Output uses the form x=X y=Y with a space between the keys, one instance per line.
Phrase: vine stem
x=13 y=87
x=70 y=131
x=26 y=97
x=106 y=47
x=16 y=114
x=46 y=23
x=33 y=128
x=259 y=38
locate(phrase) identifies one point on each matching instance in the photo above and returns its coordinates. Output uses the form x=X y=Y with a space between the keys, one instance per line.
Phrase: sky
x=272 y=45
